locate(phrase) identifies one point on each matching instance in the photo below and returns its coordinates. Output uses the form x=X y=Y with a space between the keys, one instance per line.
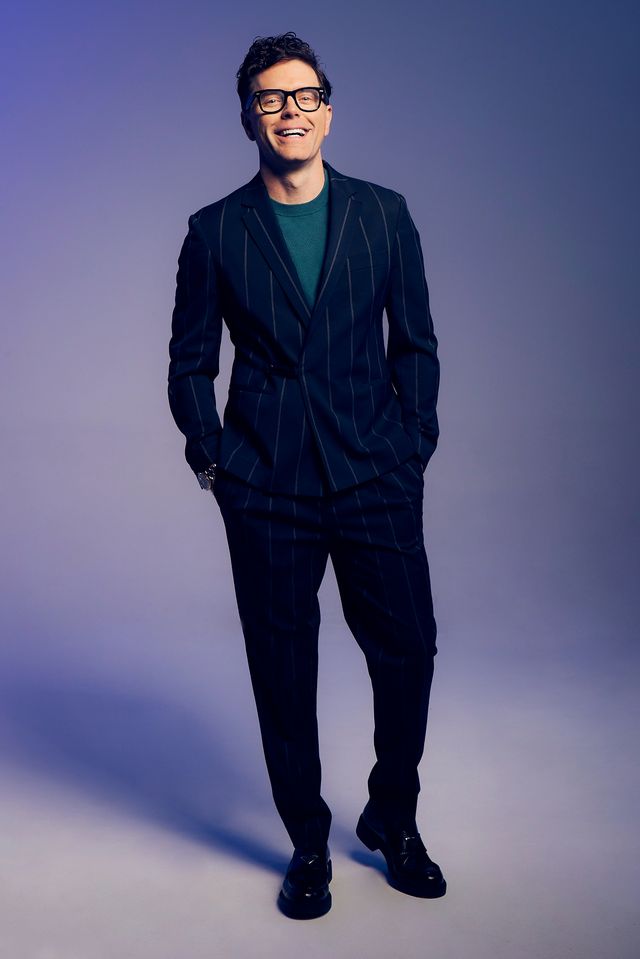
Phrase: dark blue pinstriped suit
x=321 y=454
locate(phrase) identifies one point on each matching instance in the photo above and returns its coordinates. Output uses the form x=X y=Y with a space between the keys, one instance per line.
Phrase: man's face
x=280 y=150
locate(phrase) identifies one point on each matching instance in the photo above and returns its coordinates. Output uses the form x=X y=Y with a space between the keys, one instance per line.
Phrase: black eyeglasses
x=273 y=101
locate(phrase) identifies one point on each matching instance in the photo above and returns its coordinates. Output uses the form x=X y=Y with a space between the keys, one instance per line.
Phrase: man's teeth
x=288 y=133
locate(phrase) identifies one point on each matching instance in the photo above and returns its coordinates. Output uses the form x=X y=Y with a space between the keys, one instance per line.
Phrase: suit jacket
x=315 y=400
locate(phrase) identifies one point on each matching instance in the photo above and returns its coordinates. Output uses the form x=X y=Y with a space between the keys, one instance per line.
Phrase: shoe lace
x=309 y=863
x=413 y=852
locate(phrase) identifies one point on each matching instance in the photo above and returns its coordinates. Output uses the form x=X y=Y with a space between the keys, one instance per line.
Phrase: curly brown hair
x=265 y=51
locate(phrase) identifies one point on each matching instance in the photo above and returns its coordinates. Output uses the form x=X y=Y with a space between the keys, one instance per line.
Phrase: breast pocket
x=376 y=259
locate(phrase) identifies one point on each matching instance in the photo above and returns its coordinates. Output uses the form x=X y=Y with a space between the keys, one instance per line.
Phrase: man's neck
x=294 y=186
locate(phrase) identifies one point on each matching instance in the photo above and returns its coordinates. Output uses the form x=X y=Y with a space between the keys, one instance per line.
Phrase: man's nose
x=290 y=107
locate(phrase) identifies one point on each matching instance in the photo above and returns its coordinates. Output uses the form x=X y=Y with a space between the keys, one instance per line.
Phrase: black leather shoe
x=410 y=868
x=305 y=890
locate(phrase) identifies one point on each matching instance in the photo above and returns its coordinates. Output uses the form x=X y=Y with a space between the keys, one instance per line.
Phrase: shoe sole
x=302 y=910
x=373 y=842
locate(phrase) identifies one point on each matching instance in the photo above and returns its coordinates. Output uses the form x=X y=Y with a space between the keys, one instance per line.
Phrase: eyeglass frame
x=286 y=93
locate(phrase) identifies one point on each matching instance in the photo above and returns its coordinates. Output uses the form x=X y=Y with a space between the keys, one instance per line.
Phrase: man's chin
x=282 y=164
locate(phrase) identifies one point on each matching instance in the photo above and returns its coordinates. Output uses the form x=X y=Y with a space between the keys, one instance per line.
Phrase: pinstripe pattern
x=220 y=244
x=336 y=251
x=325 y=437
x=294 y=282
x=384 y=219
x=350 y=410
x=279 y=546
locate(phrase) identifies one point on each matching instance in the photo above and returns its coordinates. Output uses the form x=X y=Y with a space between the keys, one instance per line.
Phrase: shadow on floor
x=153 y=759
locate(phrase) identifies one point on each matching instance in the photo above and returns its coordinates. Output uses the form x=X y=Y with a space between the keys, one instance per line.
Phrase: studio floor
x=137 y=822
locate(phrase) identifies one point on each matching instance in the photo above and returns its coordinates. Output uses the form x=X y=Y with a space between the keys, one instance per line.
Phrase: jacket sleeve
x=412 y=344
x=194 y=350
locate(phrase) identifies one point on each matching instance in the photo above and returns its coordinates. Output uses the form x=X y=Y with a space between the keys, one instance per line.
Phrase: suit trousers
x=279 y=545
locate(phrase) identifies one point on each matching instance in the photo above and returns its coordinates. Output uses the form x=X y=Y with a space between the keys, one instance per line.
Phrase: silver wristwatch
x=207 y=477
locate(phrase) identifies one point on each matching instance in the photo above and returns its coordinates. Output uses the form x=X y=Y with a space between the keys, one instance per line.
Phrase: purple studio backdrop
x=512 y=129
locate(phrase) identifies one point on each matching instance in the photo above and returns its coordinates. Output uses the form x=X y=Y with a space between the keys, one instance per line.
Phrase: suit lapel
x=260 y=221
x=344 y=209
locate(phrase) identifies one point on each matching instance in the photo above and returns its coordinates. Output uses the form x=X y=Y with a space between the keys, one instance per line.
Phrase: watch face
x=206 y=477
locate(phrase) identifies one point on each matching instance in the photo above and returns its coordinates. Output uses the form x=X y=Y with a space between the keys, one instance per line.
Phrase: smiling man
x=326 y=436
x=289 y=127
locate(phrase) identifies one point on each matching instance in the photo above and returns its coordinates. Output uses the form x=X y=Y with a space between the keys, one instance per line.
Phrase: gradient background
x=136 y=814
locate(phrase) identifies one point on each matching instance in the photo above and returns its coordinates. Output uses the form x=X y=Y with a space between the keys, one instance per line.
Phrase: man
x=326 y=435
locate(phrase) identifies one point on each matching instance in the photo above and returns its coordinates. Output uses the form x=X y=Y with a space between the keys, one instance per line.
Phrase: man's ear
x=327 y=121
x=244 y=120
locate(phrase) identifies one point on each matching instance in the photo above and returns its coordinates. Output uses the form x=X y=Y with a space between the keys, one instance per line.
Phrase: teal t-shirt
x=304 y=227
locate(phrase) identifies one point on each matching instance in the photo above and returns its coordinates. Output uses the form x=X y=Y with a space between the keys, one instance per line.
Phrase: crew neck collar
x=302 y=209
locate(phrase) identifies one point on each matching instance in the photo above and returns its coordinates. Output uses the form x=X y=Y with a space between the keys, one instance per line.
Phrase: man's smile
x=285 y=132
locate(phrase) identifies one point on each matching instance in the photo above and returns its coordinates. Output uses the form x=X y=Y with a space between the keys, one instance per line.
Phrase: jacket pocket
x=362 y=260
x=249 y=380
